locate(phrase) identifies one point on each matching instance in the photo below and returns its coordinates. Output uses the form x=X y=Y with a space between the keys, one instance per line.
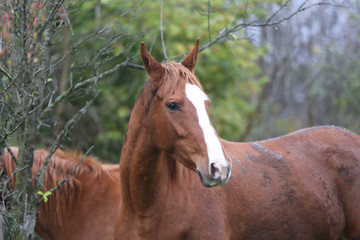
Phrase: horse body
x=279 y=189
x=300 y=186
x=304 y=185
x=85 y=206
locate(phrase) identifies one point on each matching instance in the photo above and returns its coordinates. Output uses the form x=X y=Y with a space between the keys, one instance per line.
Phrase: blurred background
x=287 y=65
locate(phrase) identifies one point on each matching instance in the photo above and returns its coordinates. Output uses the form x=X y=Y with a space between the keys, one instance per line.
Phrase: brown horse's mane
x=175 y=74
x=61 y=165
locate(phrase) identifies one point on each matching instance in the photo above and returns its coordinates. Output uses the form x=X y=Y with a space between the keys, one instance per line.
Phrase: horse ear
x=191 y=58
x=155 y=70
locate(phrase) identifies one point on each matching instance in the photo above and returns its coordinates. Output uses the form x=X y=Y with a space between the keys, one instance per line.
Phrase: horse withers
x=84 y=207
x=305 y=185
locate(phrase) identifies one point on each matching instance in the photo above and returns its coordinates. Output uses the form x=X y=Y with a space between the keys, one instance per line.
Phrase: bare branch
x=269 y=23
x=208 y=16
x=226 y=32
x=60 y=137
x=93 y=35
x=83 y=84
x=12 y=156
x=162 y=30
x=50 y=19
x=277 y=11
x=68 y=20
x=136 y=66
x=14 y=127
x=6 y=72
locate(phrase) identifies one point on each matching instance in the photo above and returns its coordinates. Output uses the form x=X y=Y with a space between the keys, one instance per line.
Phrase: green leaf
x=48 y=193
x=233 y=36
x=45 y=195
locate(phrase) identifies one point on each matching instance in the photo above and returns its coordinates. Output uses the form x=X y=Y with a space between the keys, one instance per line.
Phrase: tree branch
x=60 y=184
x=162 y=30
x=226 y=32
x=83 y=84
x=93 y=35
x=6 y=73
x=208 y=16
x=60 y=137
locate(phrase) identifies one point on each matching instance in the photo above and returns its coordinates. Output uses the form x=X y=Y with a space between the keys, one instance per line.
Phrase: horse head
x=178 y=118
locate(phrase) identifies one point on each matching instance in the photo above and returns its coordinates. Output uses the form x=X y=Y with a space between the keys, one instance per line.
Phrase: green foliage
x=232 y=78
x=44 y=195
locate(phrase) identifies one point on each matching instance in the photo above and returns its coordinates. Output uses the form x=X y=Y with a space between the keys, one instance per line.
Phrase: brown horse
x=85 y=206
x=305 y=185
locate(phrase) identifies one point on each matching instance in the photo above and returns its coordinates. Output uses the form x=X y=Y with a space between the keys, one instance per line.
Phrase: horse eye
x=173 y=106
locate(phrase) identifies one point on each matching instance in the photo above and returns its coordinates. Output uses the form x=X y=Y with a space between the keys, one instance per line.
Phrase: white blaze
x=197 y=97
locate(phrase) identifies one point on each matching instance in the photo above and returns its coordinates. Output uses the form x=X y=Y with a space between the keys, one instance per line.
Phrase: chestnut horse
x=84 y=207
x=305 y=185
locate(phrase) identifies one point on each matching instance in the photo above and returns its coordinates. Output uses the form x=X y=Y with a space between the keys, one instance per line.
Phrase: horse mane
x=61 y=165
x=175 y=74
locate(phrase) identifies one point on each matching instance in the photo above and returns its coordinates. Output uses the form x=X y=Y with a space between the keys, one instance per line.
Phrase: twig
x=7 y=74
x=106 y=45
x=12 y=155
x=60 y=137
x=152 y=43
x=16 y=171
x=162 y=30
x=267 y=23
x=233 y=18
x=13 y=80
x=60 y=184
x=224 y=33
x=83 y=84
x=208 y=15
x=50 y=19
x=68 y=21
x=92 y=36
x=136 y=66
x=278 y=11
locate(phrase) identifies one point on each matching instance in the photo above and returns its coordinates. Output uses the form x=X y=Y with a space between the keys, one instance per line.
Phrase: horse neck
x=143 y=167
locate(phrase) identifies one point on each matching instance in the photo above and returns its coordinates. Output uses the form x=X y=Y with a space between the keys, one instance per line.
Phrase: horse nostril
x=215 y=171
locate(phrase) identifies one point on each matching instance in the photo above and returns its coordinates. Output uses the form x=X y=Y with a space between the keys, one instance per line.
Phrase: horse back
x=307 y=181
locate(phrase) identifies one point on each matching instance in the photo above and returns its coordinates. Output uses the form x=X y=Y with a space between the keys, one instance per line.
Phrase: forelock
x=175 y=75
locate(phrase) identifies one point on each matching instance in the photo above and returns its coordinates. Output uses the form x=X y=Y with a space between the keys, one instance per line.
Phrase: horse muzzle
x=219 y=175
